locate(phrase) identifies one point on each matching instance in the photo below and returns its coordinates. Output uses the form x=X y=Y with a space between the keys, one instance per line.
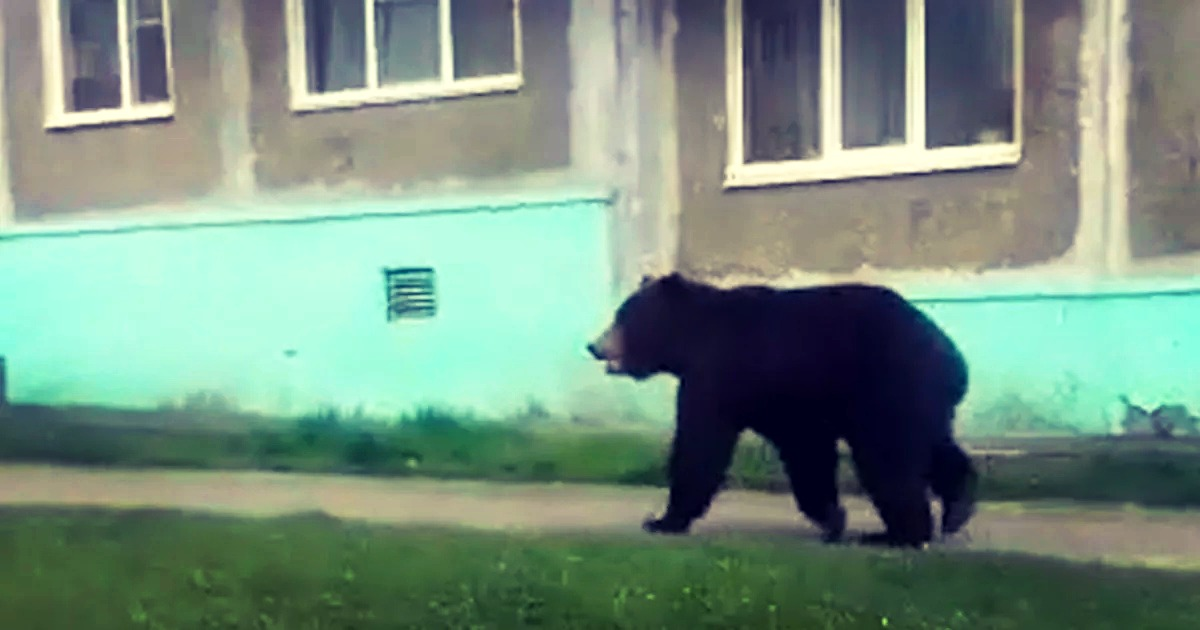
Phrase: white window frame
x=54 y=88
x=837 y=163
x=445 y=86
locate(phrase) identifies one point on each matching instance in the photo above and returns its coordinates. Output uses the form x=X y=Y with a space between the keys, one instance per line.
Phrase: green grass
x=443 y=444
x=153 y=569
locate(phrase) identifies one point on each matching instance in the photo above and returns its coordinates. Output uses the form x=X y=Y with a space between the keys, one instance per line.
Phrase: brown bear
x=803 y=368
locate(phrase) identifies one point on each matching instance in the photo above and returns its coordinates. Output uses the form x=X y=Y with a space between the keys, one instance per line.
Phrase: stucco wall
x=979 y=219
x=381 y=147
x=117 y=165
x=1164 y=129
x=232 y=111
x=288 y=314
x=1061 y=363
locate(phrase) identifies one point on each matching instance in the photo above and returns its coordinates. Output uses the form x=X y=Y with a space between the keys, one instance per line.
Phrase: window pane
x=335 y=31
x=873 y=72
x=149 y=50
x=406 y=34
x=483 y=37
x=91 y=57
x=148 y=9
x=969 y=72
x=781 y=61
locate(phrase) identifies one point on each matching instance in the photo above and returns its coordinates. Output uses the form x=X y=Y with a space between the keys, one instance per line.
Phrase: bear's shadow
x=773 y=532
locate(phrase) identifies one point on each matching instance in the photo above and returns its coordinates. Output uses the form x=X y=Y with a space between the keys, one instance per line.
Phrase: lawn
x=444 y=444
x=106 y=570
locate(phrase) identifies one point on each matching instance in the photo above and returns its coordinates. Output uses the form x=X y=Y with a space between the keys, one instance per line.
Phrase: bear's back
x=832 y=336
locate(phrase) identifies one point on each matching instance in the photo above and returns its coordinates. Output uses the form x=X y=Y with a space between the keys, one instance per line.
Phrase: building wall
x=232 y=111
x=237 y=248
x=275 y=300
x=991 y=218
x=1060 y=363
x=1027 y=268
x=288 y=314
x=390 y=146
x=1164 y=130
x=6 y=201
x=118 y=165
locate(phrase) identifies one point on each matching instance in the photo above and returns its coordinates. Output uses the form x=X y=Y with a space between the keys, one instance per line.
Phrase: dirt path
x=1136 y=537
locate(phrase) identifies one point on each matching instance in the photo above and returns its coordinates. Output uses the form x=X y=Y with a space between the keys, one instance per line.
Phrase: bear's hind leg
x=892 y=466
x=907 y=518
x=954 y=480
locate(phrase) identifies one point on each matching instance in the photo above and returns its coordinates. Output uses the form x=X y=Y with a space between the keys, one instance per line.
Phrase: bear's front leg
x=700 y=456
x=811 y=463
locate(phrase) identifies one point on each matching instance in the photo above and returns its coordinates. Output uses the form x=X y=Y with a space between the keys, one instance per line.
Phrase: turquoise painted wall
x=1067 y=359
x=1046 y=364
x=120 y=313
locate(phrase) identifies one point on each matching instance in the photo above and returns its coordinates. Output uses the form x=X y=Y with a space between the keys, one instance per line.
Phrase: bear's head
x=646 y=336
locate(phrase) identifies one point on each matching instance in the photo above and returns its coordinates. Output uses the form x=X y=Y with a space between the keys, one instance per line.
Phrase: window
x=106 y=61
x=836 y=89
x=344 y=53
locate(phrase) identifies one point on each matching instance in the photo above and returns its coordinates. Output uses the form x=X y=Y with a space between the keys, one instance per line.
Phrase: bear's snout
x=607 y=348
x=602 y=348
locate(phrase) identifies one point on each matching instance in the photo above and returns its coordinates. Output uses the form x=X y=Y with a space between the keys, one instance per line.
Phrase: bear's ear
x=646 y=279
x=673 y=281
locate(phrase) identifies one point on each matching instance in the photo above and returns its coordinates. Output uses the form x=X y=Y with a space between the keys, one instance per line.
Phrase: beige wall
x=116 y=165
x=1164 y=130
x=380 y=147
x=656 y=118
x=1002 y=217
x=232 y=114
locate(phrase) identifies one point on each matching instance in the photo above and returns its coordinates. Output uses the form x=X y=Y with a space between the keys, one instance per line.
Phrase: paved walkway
x=1130 y=536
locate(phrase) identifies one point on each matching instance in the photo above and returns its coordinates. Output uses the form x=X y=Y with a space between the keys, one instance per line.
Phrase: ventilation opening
x=410 y=293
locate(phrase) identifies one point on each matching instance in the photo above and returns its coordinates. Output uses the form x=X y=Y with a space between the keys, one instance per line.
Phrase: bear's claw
x=665 y=525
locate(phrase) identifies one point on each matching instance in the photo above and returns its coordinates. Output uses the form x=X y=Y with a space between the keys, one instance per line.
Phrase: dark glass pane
x=91 y=55
x=407 y=37
x=969 y=72
x=150 y=64
x=874 y=86
x=782 y=70
x=336 y=41
x=483 y=37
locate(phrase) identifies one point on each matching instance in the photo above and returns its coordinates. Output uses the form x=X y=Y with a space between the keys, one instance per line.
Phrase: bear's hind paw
x=834 y=527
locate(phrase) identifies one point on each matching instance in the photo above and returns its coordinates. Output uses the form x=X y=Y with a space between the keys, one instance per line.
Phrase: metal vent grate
x=410 y=293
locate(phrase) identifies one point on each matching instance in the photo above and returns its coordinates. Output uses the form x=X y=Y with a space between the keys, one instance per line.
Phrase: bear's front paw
x=665 y=525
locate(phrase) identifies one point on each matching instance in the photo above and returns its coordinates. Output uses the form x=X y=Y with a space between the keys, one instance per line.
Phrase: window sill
x=871 y=163
x=100 y=117
x=407 y=93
